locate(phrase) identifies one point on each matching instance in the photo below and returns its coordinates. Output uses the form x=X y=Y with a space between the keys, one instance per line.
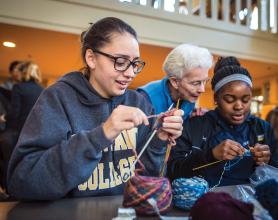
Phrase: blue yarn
x=186 y=191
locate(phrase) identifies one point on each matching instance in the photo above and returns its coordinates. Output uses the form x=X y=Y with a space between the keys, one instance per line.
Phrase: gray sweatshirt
x=62 y=150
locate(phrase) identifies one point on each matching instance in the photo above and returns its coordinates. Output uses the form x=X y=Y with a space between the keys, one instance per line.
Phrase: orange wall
x=154 y=57
x=58 y=53
x=206 y=99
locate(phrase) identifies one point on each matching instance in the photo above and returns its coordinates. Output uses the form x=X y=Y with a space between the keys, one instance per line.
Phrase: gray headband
x=234 y=77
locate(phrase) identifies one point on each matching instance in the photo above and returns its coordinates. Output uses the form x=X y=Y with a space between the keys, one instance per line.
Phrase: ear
x=90 y=58
x=174 y=82
x=215 y=99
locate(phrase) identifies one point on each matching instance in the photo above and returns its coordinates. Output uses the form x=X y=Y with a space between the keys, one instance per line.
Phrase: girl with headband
x=79 y=136
x=228 y=138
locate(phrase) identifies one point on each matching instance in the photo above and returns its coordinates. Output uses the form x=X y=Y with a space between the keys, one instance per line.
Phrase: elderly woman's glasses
x=198 y=83
x=122 y=64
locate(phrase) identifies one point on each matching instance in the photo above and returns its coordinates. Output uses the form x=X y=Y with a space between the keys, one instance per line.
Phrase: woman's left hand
x=261 y=153
x=171 y=127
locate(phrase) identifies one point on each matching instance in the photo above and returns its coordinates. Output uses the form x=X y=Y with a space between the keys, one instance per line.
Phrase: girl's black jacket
x=201 y=134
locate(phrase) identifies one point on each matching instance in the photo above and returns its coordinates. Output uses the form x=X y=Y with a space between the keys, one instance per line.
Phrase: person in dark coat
x=15 y=75
x=4 y=108
x=272 y=118
x=5 y=92
x=23 y=97
x=228 y=138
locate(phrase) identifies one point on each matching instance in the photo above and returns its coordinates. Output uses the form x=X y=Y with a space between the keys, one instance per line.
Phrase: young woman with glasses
x=79 y=137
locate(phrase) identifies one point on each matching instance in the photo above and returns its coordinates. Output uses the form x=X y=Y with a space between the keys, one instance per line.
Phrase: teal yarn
x=186 y=191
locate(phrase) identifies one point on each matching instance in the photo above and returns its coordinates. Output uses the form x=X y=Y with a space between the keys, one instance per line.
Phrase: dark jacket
x=5 y=105
x=201 y=134
x=63 y=151
x=24 y=96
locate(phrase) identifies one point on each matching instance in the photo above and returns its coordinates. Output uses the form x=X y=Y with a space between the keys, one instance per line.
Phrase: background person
x=272 y=118
x=187 y=68
x=23 y=97
x=15 y=75
x=5 y=92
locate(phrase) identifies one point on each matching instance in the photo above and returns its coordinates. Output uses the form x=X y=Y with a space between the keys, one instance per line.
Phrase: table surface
x=89 y=208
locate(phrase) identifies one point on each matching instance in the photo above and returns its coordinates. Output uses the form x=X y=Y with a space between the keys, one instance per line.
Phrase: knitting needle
x=153 y=116
x=147 y=143
x=133 y=149
x=168 y=150
x=206 y=165
x=143 y=149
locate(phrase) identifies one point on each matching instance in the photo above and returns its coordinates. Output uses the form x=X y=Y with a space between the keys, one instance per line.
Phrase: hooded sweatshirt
x=63 y=151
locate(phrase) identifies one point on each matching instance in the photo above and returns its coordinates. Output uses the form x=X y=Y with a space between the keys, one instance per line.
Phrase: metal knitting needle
x=143 y=149
x=153 y=116
x=206 y=165
x=147 y=143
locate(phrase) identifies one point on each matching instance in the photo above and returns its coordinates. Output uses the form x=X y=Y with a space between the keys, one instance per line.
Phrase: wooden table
x=89 y=208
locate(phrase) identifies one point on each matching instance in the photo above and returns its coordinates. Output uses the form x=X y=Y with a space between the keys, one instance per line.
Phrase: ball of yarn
x=187 y=190
x=220 y=205
x=140 y=188
x=267 y=194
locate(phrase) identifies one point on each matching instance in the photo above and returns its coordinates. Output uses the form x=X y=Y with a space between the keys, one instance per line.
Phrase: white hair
x=185 y=58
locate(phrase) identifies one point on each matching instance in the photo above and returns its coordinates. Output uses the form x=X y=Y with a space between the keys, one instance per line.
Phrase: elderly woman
x=187 y=68
x=229 y=135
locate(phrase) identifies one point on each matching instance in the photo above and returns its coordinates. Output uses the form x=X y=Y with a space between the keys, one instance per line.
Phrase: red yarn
x=141 y=188
x=220 y=205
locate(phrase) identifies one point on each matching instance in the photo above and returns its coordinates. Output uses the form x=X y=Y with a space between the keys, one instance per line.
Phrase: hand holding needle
x=148 y=141
x=168 y=150
x=218 y=161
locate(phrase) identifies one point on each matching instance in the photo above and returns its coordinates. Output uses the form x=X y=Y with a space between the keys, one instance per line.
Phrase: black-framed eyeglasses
x=122 y=64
